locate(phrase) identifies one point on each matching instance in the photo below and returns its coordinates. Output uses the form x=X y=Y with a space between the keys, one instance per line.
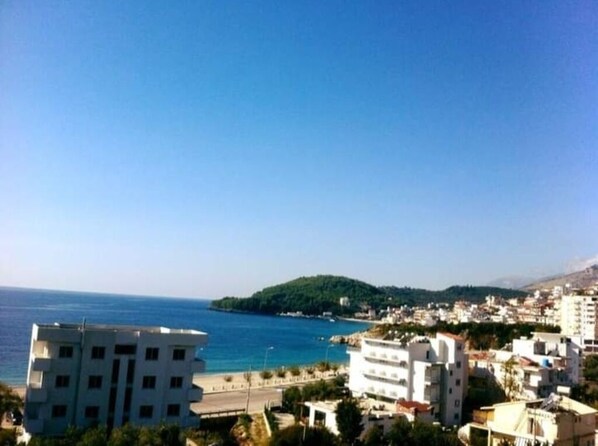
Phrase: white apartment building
x=543 y=364
x=81 y=375
x=579 y=318
x=414 y=368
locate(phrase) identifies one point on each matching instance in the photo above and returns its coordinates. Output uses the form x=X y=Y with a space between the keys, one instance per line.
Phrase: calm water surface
x=236 y=341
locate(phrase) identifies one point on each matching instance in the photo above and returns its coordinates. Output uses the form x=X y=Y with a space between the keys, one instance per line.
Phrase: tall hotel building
x=426 y=370
x=82 y=375
x=579 y=318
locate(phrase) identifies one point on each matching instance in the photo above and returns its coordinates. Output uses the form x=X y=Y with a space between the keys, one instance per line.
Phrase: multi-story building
x=81 y=375
x=579 y=318
x=413 y=368
x=555 y=421
x=532 y=368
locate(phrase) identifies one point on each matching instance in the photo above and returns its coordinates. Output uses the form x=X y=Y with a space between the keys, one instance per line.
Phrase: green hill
x=314 y=295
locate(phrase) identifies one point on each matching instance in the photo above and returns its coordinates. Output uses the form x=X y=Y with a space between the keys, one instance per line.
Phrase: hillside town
x=531 y=389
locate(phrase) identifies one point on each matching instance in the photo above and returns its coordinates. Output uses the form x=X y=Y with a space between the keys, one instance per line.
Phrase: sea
x=236 y=341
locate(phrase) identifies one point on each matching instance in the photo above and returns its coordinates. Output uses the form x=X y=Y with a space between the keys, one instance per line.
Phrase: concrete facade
x=554 y=421
x=414 y=368
x=82 y=375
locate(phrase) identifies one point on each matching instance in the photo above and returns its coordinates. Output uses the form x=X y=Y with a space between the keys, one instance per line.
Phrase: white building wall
x=432 y=371
x=87 y=387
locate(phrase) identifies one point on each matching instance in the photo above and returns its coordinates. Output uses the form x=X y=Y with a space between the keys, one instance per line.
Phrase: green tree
x=510 y=379
x=348 y=420
x=124 y=436
x=8 y=437
x=373 y=437
x=400 y=433
x=95 y=436
x=148 y=437
x=301 y=435
x=9 y=400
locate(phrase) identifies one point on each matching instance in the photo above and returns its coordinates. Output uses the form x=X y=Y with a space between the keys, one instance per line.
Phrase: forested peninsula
x=318 y=294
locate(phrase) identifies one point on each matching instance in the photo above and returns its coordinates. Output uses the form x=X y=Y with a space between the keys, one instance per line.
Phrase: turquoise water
x=236 y=341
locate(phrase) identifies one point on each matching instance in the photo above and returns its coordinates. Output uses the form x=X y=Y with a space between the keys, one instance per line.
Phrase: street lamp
x=266 y=356
x=327 y=349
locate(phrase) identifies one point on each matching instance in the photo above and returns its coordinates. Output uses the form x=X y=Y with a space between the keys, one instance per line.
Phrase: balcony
x=198 y=366
x=37 y=394
x=432 y=378
x=34 y=426
x=40 y=364
x=195 y=394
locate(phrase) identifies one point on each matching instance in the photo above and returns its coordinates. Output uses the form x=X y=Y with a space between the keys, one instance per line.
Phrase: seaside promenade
x=216 y=383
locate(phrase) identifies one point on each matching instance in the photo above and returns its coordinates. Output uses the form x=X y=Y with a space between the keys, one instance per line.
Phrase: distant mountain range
x=317 y=294
x=580 y=279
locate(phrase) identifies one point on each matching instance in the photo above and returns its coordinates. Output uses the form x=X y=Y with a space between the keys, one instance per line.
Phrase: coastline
x=216 y=383
x=363 y=321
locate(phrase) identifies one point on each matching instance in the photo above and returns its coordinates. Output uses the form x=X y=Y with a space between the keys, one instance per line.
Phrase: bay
x=236 y=341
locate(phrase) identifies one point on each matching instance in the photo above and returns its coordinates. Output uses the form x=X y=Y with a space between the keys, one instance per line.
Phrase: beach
x=216 y=383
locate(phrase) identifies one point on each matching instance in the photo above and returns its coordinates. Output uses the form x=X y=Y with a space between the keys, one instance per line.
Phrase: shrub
x=265 y=374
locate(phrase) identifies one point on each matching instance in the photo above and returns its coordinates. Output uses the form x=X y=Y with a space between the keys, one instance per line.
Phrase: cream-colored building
x=81 y=375
x=323 y=413
x=554 y=421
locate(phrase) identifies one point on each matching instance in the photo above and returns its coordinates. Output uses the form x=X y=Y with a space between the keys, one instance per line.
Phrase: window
x=176 y=382
x=457 y=403
x=450 y=373
x=458 y=364
x=65 y=351
x=98 y=352
x=178 y=354
x=149 y=382
x=428 y=354
x=173 y=410
x=151 y=353
x=459 y=347
x=92 y=412
x=146 y=411
x=450 y=390
x=458 y=383
x=456 y=417
x=59 y=411
x=62 y=380
x=125 y=349
x=94 y=382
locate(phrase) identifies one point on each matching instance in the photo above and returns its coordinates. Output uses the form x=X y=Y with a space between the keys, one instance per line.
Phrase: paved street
x=259 y=397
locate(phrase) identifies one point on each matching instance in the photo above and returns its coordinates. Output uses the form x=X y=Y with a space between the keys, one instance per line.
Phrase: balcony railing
x=195 y=394
x=41 y=364
x=37 y=394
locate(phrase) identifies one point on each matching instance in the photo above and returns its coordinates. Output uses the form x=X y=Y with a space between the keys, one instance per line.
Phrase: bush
x=310 y=370
x=294 y=435
x=281 y=372
x=227 y=378
x=295 y=370
x=265 y=374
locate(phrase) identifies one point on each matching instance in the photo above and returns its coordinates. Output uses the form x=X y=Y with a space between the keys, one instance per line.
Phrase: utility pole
x=248 y=389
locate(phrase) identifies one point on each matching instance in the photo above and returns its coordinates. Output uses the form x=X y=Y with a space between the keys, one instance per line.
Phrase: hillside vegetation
x=314 y=295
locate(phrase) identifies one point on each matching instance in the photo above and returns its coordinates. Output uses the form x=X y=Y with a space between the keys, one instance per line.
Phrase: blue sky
x=214 y=148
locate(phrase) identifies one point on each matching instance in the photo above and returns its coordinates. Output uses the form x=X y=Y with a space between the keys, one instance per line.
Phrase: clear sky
x=213 y=148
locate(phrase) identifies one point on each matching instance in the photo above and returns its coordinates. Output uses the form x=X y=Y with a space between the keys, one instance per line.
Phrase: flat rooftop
x=112 y=328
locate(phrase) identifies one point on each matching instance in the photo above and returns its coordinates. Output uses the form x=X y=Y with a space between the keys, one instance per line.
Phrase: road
x=259 y=397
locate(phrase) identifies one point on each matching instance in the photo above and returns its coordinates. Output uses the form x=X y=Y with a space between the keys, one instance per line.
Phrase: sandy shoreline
x=235 y=381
